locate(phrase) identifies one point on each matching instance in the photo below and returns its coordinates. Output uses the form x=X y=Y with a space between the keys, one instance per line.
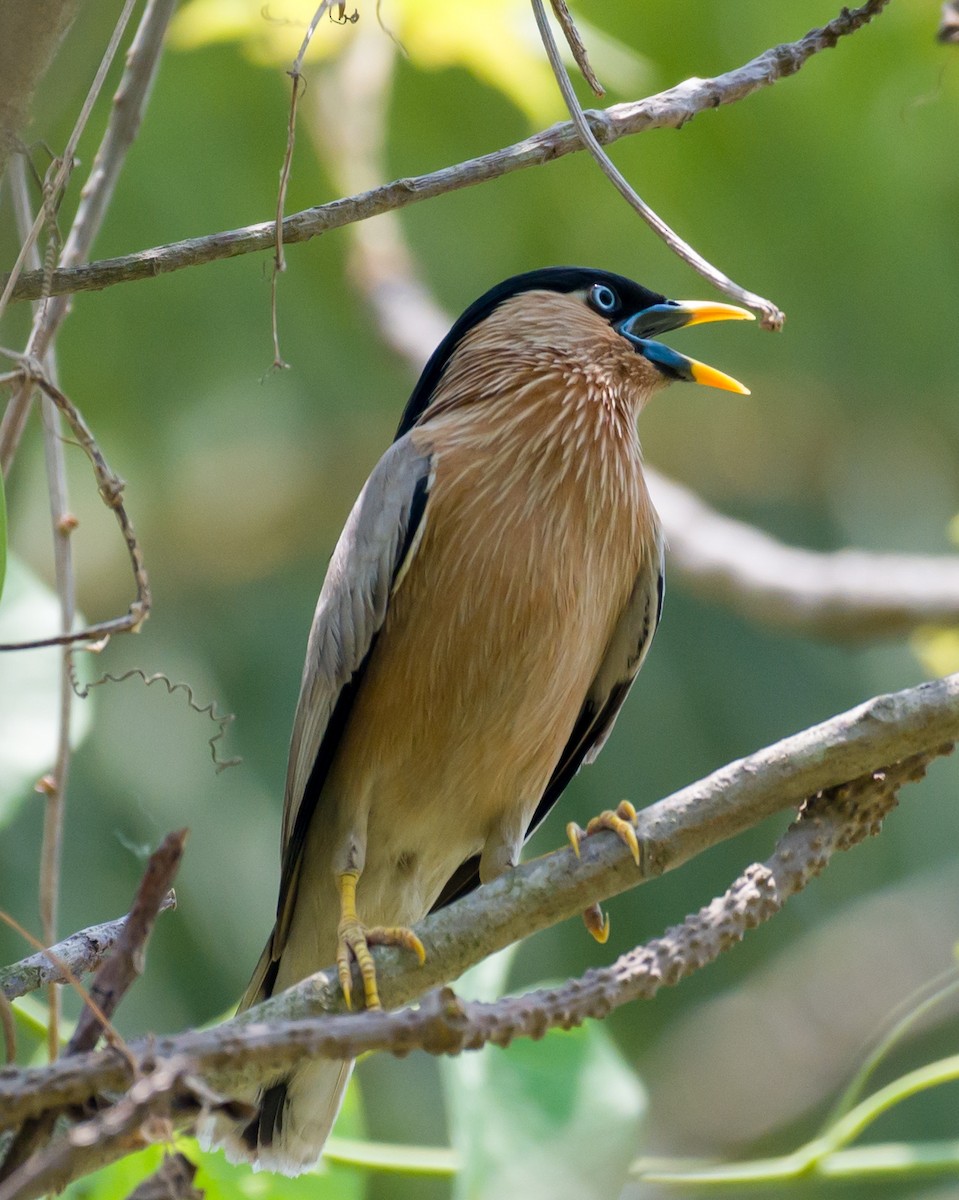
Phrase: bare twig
x=113 y=980
x=63 y=968
x=9 y=1026
x=907 y=728
x=772 y=317
x=129 y=103
x=110 y=487
x=575 y=43
x=101 y=1140
x=63 y=166
x=670 y=109
x=76 y=955
x=125 y=965
x=53 y=786
x=222 y=721
x=279 y=260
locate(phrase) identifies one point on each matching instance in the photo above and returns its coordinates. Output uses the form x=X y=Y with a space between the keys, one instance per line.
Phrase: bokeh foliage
x=836 y=193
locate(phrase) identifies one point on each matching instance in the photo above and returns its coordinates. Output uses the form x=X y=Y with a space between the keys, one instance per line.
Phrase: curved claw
x=619 y=822
x=597 y=922
x=353 y=941
x=574 y=832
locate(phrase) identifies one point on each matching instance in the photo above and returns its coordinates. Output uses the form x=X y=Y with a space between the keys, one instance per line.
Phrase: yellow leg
x=620 y=822
x=354 y=941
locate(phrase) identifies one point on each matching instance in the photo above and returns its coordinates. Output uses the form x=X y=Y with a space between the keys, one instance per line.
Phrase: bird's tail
x=294 y=1113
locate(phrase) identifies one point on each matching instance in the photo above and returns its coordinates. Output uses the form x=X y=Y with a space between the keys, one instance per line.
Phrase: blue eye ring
x=603 y=298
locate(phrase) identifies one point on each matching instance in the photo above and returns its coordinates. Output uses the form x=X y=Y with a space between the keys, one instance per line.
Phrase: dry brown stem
x=669 y=109
x=110 y=487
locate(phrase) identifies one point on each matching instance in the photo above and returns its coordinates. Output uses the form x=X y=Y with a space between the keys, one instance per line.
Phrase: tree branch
x=906 y=728
x=772 y=316
x=80 y=953
x=670 y=109
x=847 y=595
x=113 y=980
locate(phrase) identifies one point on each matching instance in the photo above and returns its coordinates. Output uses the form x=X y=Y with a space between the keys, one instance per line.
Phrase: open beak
x=675 y=314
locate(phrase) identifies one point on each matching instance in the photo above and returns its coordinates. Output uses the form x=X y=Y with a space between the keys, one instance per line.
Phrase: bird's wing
x=375 y=547
x=624 y=656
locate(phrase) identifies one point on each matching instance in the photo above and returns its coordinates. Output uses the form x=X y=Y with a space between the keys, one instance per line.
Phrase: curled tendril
x=221 y=720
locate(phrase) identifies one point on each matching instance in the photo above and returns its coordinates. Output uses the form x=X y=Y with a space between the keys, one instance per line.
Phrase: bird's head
x=578 y=312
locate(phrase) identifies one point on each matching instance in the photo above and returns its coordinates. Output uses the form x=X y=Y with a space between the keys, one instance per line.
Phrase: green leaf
x=558 y=1118
x=30 y=688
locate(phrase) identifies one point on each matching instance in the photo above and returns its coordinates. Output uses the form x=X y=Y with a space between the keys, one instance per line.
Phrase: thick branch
x=848 y=595
x=669 y=109
x=914 y=724
x=80 y=953
x=833 y=820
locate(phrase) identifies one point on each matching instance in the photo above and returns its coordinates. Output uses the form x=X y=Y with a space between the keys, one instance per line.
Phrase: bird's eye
x=603 y=298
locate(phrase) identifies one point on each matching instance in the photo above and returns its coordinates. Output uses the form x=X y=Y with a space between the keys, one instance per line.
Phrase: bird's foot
x=622 y=823
x=354 y=939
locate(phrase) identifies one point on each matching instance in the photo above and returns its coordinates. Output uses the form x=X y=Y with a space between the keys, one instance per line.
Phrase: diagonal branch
x=670 y=109
x=907 y=728
x=772 y=318
x=80 y=953
x=846 y=595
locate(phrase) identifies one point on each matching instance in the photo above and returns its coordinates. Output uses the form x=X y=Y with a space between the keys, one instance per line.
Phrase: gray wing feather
x=378 y=536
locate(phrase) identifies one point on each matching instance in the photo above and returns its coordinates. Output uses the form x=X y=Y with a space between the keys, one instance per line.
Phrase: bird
x=486 y=609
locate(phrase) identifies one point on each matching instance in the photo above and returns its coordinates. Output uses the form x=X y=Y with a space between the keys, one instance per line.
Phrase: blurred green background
x=836 y=193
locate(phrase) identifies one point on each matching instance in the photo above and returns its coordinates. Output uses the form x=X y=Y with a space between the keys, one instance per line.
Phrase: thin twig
x=53 y=786
x=576 y=46
x=64 y=970
x=112 y=981
x=110 y=487
x=62 y=167
x=125 y=965
x=670 y=109
x=9 y=1024
x=908 y=728
x=76 y=955
x=772 y=317
x=109 y=1135
x=126 y=113
x=279 y=260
